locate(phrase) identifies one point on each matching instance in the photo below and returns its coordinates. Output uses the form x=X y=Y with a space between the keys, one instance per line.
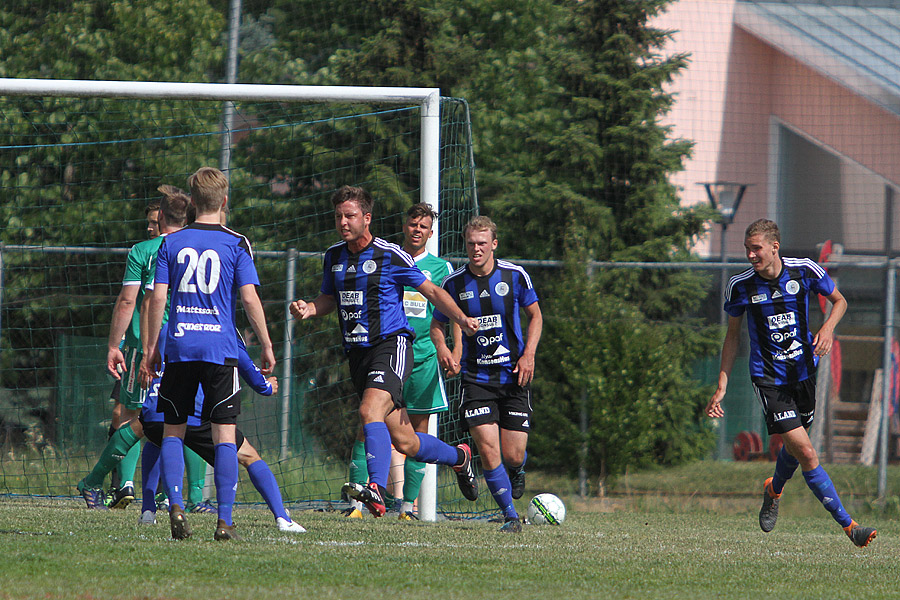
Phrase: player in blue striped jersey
x=207 y=266
x=497 y=363
x=784 y=354
x=363 y=280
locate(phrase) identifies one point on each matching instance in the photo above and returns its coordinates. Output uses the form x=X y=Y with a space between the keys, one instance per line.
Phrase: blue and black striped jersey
x=368 y=290
x=781 y=343
x=491 y=354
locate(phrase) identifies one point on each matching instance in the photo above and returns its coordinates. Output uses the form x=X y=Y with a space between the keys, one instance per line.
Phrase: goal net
x=79 y=162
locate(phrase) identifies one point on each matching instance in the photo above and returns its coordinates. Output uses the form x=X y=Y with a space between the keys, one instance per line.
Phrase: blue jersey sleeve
x=162 y=264
x=327 y=277
x=250 y=373
x=820 y=282
x=527 y=295
x=404 y=270
x=245 y=270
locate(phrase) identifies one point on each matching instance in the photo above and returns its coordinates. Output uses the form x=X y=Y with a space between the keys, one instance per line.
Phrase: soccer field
x=57 y=549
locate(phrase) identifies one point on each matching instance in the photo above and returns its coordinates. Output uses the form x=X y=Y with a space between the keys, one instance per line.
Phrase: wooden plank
x=870 y=438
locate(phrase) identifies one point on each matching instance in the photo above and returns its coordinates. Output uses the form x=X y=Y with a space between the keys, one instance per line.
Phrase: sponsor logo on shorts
x=518 y=414
x=788 y=414
x=484 y=340
x=758 y=298
x=197 y=310
x=466 y=295
x=376 y=376
x=202 y=327
x=352 y=298
x=780 y=321
x=477 y=412
x=779 y=337
x=490 y=322
x=792 y=287
x=337 y=268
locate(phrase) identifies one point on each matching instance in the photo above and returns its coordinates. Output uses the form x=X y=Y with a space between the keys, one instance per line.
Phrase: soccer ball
x=546 y=508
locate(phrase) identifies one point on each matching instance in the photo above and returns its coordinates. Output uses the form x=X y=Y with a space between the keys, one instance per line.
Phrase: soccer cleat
x=517 y=482
x=768 y=514
x=122 y=497
x=859 y=535
x=202 y=508
x=225 y=532
x=93 y=497
x=408 y=516
x=288 y=525
x=352 y=513
x=465 y=475
x=368 y=495
x=148 y=517
x=162 y=502
x=181 y=529
x=512 y=526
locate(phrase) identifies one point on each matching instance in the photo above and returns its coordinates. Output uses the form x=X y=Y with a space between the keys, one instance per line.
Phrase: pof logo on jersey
x=337 y=268
x=793 y=351
x=369 y=267
x=415 y=305
x=758 y=298
x=792 y=287
x=466 y=295
x=502 y=288
x=782 y=320
x=778 y=336
x=490 y=322
x=484 y=340
x=349 y=315
x=351 y=298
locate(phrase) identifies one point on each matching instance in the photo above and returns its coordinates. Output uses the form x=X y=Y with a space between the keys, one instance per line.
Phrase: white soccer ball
x=546 y=509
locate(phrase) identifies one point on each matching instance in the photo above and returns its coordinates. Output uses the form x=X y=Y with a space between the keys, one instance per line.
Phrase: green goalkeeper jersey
x=417 y=308
x=140 y=266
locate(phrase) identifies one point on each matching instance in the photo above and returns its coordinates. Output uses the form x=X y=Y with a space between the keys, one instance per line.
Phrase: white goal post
x=428 y=98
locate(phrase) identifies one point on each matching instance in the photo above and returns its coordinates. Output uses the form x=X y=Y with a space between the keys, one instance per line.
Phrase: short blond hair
x=481 y=223
x=766 y=227
x=209 y=187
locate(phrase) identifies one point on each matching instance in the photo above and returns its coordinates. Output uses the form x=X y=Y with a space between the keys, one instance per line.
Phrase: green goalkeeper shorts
x=131 y=396
x=424 y=392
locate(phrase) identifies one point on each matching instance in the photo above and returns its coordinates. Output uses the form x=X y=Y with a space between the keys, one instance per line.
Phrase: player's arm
x=122 y=312
x=444 y=303
x=144 y=316
x=156 y=309
x=825 y=336
x=525 y=365
x=729 y=353
x=448 y=360
x=250 y=373
x=257 y=316
x=319 y=307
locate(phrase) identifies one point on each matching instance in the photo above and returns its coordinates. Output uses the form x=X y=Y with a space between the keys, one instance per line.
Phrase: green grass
x=664 y=542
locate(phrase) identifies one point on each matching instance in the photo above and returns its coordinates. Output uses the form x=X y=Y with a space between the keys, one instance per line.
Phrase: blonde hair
x=209 y=187
x=481 y=223
x=766 y=227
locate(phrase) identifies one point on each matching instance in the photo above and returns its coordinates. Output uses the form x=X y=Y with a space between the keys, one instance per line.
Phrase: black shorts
x=178 y=392
x=787 y=407
x=199 y=439
x=384 y=366
x=117 y=387
x=509 y=405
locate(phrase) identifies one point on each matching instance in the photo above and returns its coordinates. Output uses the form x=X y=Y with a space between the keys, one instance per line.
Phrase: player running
x=784 y=355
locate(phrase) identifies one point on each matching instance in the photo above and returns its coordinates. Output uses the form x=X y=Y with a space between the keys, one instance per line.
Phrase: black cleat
x=369 y=495
x=517 y=482
x=181 y=529
x=768 y=514
x=512 y=526
x=465 y=475
x=122 y=497
x=859 y=535
x=225 y=532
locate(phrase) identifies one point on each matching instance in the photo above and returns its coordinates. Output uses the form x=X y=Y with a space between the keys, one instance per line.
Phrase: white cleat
x=148 y=517
x=285 y=525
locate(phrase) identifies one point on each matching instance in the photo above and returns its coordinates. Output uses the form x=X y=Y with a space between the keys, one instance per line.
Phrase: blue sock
x=264 y=481
x=172 y=457
x=498 y=482
x=149 y=476
x=434 y=451
x=378 y=452
x=785 y=465
x=226 y=477
x=820 y=484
